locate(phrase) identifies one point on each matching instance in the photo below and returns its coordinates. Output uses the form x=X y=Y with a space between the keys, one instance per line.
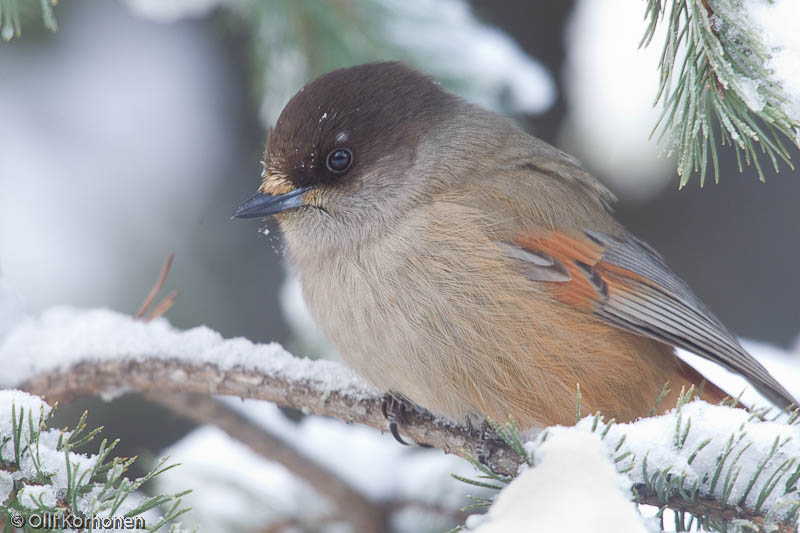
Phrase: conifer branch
x=12 y=12
x=153 y=376
x=95 y=494
x=714 y=72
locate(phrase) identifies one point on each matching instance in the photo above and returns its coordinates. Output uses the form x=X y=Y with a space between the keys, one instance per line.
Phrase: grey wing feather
x=668 y=311
x=539 y=266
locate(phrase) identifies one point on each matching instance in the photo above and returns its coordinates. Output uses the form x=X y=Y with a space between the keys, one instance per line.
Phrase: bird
x=466 y=266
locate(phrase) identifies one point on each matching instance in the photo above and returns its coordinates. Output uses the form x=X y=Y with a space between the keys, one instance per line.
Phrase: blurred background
x=138 y=126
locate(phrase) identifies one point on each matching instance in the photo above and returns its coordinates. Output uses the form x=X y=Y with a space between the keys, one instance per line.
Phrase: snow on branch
x=733 y=62
x=67 y=353
x=722 y=464
x=45 y=484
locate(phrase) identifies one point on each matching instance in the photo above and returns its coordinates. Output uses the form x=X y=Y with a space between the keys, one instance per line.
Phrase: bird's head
x=343 y=153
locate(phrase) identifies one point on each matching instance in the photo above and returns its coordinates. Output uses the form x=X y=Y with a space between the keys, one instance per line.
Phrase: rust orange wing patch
x=578 y=256
x=623 y=281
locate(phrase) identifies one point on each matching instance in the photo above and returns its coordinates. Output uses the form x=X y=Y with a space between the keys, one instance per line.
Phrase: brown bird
x=472 y=268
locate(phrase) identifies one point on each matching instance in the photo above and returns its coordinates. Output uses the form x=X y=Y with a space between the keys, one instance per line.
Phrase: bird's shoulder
x=535 y=186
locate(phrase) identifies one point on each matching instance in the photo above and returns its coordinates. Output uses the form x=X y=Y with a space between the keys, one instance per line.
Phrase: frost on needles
x=46 y=484
x=732 y=64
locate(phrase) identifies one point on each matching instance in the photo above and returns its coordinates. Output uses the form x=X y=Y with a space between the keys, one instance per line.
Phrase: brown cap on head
x=369 y=110
x=356 y=128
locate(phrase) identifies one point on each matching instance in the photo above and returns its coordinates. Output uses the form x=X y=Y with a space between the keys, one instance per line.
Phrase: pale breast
x=437 y=312
x=417 y=311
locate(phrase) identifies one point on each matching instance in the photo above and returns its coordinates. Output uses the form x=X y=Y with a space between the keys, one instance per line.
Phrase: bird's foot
x=490 y=441
x=396 y=410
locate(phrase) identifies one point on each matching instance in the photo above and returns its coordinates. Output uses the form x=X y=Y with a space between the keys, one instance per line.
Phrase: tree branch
x=157 y=375
x=153 y=376
x=364 y=516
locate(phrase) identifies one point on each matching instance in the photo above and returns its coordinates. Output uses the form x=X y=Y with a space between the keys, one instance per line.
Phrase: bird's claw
x=488 y=443
x=396 y=409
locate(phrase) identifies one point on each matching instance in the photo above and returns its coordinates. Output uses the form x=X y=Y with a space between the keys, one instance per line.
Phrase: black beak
x=262 y=205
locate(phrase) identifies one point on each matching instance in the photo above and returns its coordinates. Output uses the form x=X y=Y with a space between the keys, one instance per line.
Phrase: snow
x=576 y=468
x=34 y=496
x=450 y=42
x=748 y=90
x=21 y=400
x=51 y=462
x=63 y=336
x=754 y=438
x=50 y=459
x=237 y=479
x=568 y=461
x=654 y=440
x=357 y=453
x=780 y=363
x=240 y=490
x=568 y=464
x=373 y=463
x=6 y=485
x=441 y=37
x=173 y=10
x=610 y=85
x=572 y=487
x=775 y=21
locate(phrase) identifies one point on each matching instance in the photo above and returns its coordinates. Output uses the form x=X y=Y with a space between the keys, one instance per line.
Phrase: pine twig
x=705 y=75
x=12 y=12
x=165 y=304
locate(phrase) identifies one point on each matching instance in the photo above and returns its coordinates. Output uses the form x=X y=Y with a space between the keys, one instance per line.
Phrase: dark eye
x=339 y=160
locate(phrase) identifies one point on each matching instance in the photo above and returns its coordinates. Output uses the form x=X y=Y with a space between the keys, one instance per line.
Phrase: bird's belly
x=381 y=333
x=462 y=334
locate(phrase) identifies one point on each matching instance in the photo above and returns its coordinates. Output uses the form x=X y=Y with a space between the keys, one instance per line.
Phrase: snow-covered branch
x=46 y=484
x=153 y=376
x=711 y=461
x=350 y=403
